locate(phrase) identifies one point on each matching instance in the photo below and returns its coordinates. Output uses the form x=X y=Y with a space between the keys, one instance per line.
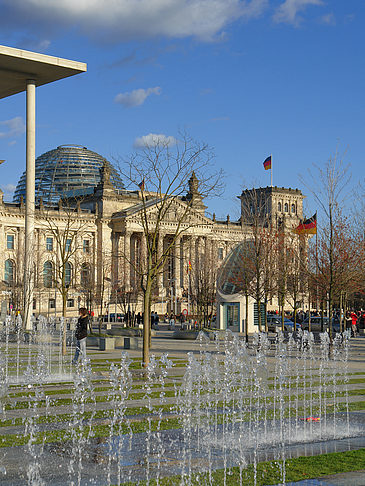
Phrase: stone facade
x=108 y=244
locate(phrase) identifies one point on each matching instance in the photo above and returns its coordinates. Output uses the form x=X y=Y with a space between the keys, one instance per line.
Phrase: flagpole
x=271 y=172
x=316 y=263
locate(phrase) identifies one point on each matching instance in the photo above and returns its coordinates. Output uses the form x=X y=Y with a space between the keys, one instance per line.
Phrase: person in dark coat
x=81 y=335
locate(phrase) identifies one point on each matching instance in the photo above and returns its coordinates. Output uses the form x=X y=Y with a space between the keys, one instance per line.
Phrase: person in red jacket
x=353 y=316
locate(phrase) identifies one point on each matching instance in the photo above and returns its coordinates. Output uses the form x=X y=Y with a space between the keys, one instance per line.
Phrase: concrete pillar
x=29 y=204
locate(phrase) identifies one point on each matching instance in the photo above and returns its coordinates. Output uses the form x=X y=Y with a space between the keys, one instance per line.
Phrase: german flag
x=308 y=227
x=141 y=185
x=267 y=163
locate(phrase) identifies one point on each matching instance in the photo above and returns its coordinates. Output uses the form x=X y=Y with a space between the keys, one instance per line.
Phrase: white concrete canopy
x=17 y=66
x=24 y=71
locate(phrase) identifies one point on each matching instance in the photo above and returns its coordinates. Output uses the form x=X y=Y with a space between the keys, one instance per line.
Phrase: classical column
x=115 y=248
x=127 y=260
x=177 y=266
x=199 y=250
x=208 y=260
x=192 y=251
x=159 y=255
x=193 y=260
x=143 y=263
x=29 y=204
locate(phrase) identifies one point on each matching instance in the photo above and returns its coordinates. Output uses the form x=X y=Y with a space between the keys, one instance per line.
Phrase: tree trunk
x=146 y=324
x=259 y=314
x=309 y=313
x=266 y=328
x=64 y=300
x=246 y=320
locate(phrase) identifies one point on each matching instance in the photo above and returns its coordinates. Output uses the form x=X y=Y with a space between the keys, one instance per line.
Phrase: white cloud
x=288 y=11
x=131 y=19
x=153 y=139
x=13 y=127
x=33 y=43
x=220 y=118
x=8 y=191
x=328 y=19
x=136 y=97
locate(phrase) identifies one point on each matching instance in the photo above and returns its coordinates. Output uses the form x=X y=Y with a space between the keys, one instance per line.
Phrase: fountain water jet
x=237 y=405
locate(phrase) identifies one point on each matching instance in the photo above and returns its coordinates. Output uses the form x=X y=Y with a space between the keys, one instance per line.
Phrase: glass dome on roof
x=66 y=171
x=237 y=271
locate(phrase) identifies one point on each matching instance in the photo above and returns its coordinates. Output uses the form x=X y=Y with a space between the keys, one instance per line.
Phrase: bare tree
x=66 y=227
x=296 y=272
x=256 y=214
x=346 y=265
x=162 y=172
x=327 y=185
x=203 y=277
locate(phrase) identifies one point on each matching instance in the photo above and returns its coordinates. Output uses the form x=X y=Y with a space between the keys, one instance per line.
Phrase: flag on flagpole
x=141 y=185
x=189 y=268
x=267 y=163
x=307 y=227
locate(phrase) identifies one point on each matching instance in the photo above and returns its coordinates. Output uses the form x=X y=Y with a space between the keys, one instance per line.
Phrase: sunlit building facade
x=103 y=236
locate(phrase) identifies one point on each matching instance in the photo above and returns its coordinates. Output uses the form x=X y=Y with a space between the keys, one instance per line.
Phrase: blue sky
x=249 y=78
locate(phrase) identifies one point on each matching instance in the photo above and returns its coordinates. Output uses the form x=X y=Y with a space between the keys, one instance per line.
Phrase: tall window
x=220 y=253
x=48 y=274
x=68 y=245
x=68 y=273
x=10 y=242
x=279 y=207
x=49 y=244
x=85 y=275
x=86 y=246
x=293 y=208
x=286 y=207
x=9 y=272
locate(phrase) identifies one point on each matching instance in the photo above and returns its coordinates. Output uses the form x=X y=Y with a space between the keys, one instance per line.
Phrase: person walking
x=353 y=316
x=81 y=335
x=172 y=322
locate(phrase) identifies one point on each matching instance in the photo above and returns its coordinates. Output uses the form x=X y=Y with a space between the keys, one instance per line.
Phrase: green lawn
x=270 y=473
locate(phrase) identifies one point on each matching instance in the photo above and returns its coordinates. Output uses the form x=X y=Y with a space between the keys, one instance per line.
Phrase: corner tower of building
x=282 y=206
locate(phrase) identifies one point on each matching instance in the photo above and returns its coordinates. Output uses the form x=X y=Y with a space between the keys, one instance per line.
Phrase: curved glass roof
x=236 y=272
x=66 y=171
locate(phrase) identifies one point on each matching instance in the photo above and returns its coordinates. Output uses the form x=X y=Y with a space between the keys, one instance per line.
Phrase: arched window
x=293 y=208
x=85 y=275
x=286 y=207
x=68 y=273
x=279 y=207
x=9 y=272
x=48 y=274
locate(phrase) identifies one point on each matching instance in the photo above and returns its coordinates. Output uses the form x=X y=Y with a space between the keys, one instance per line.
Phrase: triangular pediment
x=173 y=213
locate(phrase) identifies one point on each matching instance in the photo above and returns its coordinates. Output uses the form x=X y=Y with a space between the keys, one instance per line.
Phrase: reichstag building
x=103 y=236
